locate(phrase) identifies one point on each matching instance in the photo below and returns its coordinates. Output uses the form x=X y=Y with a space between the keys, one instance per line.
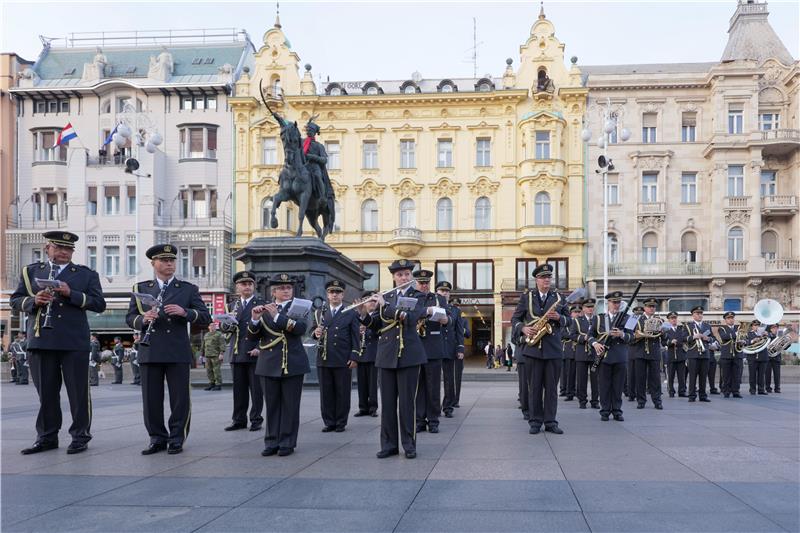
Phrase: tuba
x=780 y=343
x=768 y=312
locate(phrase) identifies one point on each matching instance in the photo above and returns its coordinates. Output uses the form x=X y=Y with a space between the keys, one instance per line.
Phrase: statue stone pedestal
x=312 y=263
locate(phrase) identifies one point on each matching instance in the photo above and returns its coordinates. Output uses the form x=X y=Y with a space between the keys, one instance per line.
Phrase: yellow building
x=478 y=179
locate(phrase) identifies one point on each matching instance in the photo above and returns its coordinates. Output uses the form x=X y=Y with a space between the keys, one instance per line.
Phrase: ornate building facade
x=478 y=179
x=703 y=202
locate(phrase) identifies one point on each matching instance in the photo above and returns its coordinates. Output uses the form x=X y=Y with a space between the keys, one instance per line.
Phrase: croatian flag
x=66 y=135
x=110 y=135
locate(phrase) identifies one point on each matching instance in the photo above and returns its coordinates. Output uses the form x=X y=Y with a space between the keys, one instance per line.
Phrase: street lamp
x=611 y=120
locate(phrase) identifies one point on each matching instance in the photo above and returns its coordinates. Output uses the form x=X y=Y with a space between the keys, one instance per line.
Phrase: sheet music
x=225 y=318
x=146 y=299
x=48 y=283
x=631 y=323
x=299 y=309
x=437 y=314
x=406 y=303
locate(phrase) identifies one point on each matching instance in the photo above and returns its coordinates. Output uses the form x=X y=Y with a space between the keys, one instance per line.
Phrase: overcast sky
x=390 y=40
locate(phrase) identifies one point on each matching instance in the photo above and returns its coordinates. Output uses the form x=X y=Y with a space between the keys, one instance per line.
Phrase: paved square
x=731 y=465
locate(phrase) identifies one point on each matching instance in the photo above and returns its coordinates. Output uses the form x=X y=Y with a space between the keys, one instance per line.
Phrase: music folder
x=299 y=309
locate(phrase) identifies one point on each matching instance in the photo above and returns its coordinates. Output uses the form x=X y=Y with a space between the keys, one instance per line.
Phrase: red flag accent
x=307 y=144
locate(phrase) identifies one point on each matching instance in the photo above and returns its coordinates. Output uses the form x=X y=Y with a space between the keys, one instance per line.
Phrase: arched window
x=337 y=222
x=483 y=213
x=369 y=215
x=689 y=247
x=769 y=245
x=408 y=211
x=649 y=248
x=542 y=209
x=372 y=89
x=276 y=87
x=735 y=244
x=266 y=208
x=613 y=248
x=105 y=107
x=444 y=214
x=291 y=219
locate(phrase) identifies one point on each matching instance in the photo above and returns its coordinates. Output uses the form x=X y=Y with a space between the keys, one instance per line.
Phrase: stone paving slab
x=731 y=465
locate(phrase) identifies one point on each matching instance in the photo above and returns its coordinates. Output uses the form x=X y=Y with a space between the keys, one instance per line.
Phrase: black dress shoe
x=373 y=414
x=210 y=387
x=631 y=398
x=604 y=418
x=411 y=455
x=76 y=447
x=456 y=406
x=421 y=429
x=534 y=430
x=383 y=454
x=361 y=413
x=283 y=452
x=328 y=429
x=582 y=405
x=39 y=447
x=266 y=452
x=777 y=391
x=526 y=416
x=217 y=387
x=726 y=395
x=704 y=400
x=768 y=390
x=762 y=393
x=448 y=414
x=682 y=395
x=752 y=393
x=255 y=427
x=154 y=448
x=671 y=394
x=737 y=395
x=640 y=406
x=659 y=406
x=554 y=429
x=619 y=418
x=595 y=405
x=339 y=430
x=569 y=398
x=714 y=391
x=234 y=427
x=174 y=449
x=691 y=400
x=433 y=429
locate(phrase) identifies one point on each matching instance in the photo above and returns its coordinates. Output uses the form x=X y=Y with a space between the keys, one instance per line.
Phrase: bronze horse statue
x=295 y=181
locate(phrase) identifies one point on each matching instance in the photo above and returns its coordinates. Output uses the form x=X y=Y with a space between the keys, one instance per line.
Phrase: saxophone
x=541 y=325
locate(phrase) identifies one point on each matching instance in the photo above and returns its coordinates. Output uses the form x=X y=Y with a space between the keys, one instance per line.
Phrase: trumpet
x=699 y=344
x=48 y=315
x=359 y=303
x=159 y=301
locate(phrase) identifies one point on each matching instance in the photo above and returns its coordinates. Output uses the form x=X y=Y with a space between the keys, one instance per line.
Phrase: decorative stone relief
x=715 y=288
x=339 y=188
x=445 y=187
x=651 y=221
x=267 y=187
x=751 y=296
x=483 y=187
x=407 y=188
x=369 y=189
x=737 y=216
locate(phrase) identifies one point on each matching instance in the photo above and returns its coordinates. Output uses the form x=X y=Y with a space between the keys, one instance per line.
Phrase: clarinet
x=146 y=339
x=48 y=316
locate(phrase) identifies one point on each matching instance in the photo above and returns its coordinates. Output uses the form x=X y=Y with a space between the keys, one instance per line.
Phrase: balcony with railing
x=779 y=141
x=406 y=242
x=25 y=223
x=783 y=265
x=667 y=268
x=737 y=202
x=779 y=204
x=652 y=208
x=737 y=265
x=192 y=222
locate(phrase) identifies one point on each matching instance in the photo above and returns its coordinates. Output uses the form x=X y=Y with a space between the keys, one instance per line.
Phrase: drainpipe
x=585 y=213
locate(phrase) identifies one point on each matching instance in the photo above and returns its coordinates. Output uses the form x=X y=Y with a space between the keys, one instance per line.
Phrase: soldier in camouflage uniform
x=213 y=349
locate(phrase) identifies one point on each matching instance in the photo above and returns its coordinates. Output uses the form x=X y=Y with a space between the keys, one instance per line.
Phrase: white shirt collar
x=168 y=282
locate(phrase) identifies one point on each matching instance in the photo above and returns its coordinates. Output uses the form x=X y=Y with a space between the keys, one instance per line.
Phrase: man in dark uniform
x=647 y=347
x=400 y=355
x=698 y=337
x=610 y=344
x=19 y=355
x=463 y=324
x=757 y=362
x=454 y=348
x=242 y=354
x=730 y=357
x=94 y=361
x=117 y=359
x=568 y=373
x=630 y=378
x=673 y=339
x=134 y=357
x=59 y=352
x=429 y=403
x=339 y=346
x=366 y=373
x=168 y=354
x=584 y=355
x=282 y=365
x=773 y=365
x=713 y=354
x=543 y=359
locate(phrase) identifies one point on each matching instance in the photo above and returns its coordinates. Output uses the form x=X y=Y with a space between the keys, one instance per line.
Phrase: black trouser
x=335 y=387
x=137 y=375
x=459 y=371
x=22 y=371
x=648 y=379
x=94 y=376
x=247 y=392
x=367 y=376
x=47 y=368
x=118 y=373
x=180 y=402
x=523 y=386
x=282 y=396
x=611 y=382
x=584 y=374
x=398 y=394
x=677 y=368
x=730 y=372
x=429 y=403
x=757 y=371
x=568 y=377
x=542 y=377
x=630 y=383
x=449 y=379
x=712 y=372
x=773 y=369
x=698 y=369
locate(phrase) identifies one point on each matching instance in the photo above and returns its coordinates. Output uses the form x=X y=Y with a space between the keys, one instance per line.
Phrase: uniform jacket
x=94 y=352
x=399 y=345
x=431 y=332
x=70 y=330
x=693 y=351
x=369 y=346
x=645 y=348
x=239 y=348
x=119 y=355
x=169 y=339
x=617 y=351
x=341 y=338
x=213 y=344
x=280 y=343
x=676 y=351
x=453 y=333
x=727 y=334
x=530 y=308
x=567 y=344
x=579 y=334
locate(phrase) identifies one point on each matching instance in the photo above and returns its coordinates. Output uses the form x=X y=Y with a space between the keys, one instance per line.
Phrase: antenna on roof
x=474 y=49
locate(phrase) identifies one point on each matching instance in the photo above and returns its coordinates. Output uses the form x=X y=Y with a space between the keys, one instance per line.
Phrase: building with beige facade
x=477 y=179
x=703 y=201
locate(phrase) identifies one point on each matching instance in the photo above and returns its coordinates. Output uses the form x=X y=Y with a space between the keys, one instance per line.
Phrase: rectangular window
x=131 y=199
x=211 y=102
x=769 y=183
x=211 y=133
x=183 y=265
x=769 y=121
x=332 y=149
x=122 y=102
x=52 y=106
x=649 y=121
x=483 y=156
x=199 y=262
x=732 y=304
x=199 y=205
x=199 y=102
x=688 y=127
x=735 y=180
x=649 y=254
x=735 y=118
x=270 y=151
x=374 y=268
x=131 y=264
x=407 y=158
x=370 y=154
x=560 y=272
x=445 y=153
x=212 y=203
x=111 y=200
x=37 y=206
x=196 y=142
x=483 y=276
x=465 y=276
x=542 y=145
x=444 y=271
x=91 y=257
x=185 y=212
x=63 y=106
x=525 y=268
x=649 y=187
x=689 y=188
x=40 y=106
x=51 y=212
x=91 y=201
x=213 y=264
x=186 y=103
x=111 y=258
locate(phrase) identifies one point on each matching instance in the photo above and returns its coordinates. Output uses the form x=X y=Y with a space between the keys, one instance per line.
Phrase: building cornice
x=418 y=99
